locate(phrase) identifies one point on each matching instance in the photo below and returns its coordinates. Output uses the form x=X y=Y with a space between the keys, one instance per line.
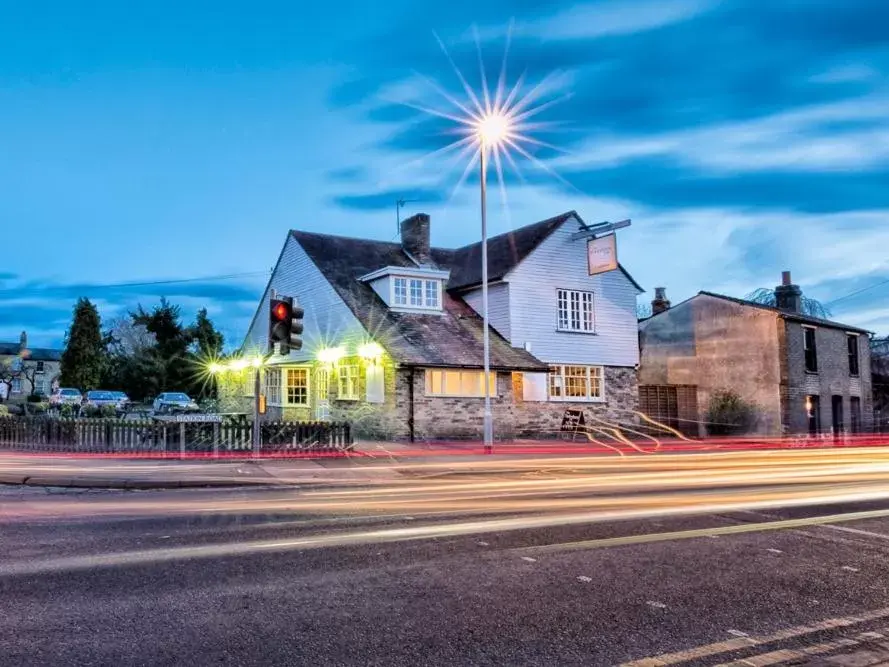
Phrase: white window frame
x=428 y=287
x=579 y=320
x=278 y=384
x=590 y=374
x=286 y=386
x=15 y=387
x=348 y=376
x=436 y=383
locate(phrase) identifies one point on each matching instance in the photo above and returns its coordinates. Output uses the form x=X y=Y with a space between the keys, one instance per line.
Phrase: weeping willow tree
x=811 y=307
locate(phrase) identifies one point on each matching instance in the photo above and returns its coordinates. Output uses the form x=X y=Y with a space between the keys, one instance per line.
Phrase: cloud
x=384 y=200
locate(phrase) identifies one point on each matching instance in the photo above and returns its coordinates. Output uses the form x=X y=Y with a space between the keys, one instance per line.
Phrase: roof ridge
x=561 y=218
x=343 y=237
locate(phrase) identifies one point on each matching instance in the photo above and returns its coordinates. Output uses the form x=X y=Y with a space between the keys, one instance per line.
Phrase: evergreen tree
x=83 y=359
x=208 y=340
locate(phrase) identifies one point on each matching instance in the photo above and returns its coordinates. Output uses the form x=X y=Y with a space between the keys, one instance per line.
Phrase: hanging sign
x=602 y=254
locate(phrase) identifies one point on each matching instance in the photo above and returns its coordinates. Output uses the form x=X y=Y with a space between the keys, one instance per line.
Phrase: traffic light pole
x=256 y=432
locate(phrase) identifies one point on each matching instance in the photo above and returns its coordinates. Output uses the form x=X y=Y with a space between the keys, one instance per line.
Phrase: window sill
x=289 y=405
x=347 y=399
x=415 y=310
x=808 y=372
x=580 y=333
x=480 y=397
x=556 y=399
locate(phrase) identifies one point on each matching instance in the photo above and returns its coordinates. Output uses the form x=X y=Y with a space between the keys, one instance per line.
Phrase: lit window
x=297 y=386
x=575 y=383
x=576 y=311
x=459 y=383
x=400 y=291
x=348 y=383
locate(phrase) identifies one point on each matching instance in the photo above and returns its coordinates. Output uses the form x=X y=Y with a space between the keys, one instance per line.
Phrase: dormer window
x=408 y=288
x=417 y=293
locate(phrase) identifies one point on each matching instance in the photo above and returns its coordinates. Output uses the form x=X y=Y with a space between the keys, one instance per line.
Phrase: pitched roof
x=452 y=338
x=505 y=252
x=796 y=317
x=34 y=353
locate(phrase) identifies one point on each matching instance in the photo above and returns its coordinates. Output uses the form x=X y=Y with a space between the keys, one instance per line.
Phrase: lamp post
x=491 y=130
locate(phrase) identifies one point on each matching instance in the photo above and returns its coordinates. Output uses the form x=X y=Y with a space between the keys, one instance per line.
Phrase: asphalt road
x=253 y=577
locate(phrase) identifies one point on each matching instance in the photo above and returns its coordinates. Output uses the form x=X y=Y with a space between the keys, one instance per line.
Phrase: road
x=524 y=567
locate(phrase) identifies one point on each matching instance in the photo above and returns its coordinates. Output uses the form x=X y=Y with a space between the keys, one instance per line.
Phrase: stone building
x=393 y=333
x=802 y=374
x=27 y=370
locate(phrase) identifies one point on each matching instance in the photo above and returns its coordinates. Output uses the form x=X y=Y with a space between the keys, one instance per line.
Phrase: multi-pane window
x=273 y=386
x=432 y=293
x=416 y=293
x=576 y=311
x=297 y=390
x=16 y=386
x=399 y=291
x=459 y=383
x=347 y=382
x=852 y=343
x=322 y=383
x=810 y=349
x=39 y=385
x=575 y=383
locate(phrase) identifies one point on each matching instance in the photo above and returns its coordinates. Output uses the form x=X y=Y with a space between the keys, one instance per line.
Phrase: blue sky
x=181 y=140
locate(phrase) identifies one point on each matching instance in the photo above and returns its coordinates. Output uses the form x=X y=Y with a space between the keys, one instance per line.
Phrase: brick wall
x=832 y=379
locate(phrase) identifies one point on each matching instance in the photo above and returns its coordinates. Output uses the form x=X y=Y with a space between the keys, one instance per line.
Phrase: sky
x=143 y=143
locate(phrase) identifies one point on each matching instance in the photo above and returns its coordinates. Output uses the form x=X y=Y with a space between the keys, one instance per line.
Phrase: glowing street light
x=491 y=131
x=494 y=124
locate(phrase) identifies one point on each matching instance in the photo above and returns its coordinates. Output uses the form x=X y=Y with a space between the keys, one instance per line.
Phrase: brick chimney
x=788 y=297
x=23 y=341
x=415 y=237
x=660 y=303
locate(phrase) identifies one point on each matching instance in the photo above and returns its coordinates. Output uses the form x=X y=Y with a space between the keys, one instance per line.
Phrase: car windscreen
x=176 y=397
x=69 y=392
x=99 y=395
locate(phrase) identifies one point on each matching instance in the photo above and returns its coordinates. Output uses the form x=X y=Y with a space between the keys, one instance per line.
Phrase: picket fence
x=149 y=436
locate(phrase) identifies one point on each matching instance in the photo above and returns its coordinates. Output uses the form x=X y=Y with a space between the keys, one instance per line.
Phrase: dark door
x=813 y=410
x=836 y=408
x=855 y=414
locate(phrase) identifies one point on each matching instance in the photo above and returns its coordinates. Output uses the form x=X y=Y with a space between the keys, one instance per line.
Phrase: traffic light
x=285 y=325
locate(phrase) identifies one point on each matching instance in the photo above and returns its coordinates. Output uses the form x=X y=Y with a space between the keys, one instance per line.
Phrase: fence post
x=182 y=440
x=215 y=439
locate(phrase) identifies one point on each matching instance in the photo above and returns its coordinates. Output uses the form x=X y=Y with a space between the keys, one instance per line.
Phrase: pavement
x=285 y=576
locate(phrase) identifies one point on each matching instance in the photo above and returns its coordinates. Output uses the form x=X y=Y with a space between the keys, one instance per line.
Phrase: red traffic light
x=280 y=311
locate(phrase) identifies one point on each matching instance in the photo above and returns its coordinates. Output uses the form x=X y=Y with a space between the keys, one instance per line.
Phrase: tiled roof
x=796 y=317
x=505 y=251
x=452 y=338
x=35 y=353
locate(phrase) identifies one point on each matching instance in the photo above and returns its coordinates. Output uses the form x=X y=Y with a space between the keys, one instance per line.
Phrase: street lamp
x=491 y=131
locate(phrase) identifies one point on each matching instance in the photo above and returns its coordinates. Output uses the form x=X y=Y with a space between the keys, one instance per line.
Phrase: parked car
x=99 y=399
x=123 y=401
x=172 y=402
x=65 y=396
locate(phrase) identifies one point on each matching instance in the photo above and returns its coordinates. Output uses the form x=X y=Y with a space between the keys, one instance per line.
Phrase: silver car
x=171 y=402
x=99 y=399
x=65 y=396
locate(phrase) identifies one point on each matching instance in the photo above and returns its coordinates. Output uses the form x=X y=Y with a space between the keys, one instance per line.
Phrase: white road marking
x=656 y=605
x=584 y=579
x=482 y=544
x=737 y=633
x=529 y=559
x=775 y=551
x=858 y=531
x=849 y=568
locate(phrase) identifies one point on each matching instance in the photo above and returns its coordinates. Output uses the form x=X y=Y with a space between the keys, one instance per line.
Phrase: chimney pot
x=660 y=303
x=23 y=341
x=415 y=237
x=788 y=297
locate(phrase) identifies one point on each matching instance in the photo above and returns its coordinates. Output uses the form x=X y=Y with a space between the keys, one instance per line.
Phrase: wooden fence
x=47 y=434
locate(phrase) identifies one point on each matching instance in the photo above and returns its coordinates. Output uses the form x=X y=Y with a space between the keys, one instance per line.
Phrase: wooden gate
x=674 y=405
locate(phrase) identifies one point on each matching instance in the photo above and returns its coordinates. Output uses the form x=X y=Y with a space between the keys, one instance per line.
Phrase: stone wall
x=438 y=417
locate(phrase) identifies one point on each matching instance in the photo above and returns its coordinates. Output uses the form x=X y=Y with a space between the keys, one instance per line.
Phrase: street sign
x=602 y=254
x=177 y=419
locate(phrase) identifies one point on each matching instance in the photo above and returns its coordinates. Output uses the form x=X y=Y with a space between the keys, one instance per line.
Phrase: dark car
x=173 y=402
